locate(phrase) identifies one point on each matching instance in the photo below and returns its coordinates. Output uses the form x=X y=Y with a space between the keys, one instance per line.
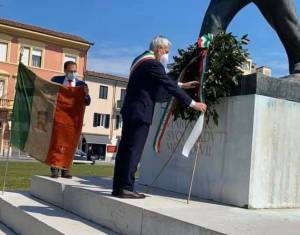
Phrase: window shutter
x=105 y=92
x=123 y=94
x=100 y=92
x=3 y=51
x=117 y=121
x=25 y=55
x=107 y=120
x=69 y=58
x=95 y=120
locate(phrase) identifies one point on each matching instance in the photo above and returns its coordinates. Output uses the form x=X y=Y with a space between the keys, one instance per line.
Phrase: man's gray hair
x=159 y=42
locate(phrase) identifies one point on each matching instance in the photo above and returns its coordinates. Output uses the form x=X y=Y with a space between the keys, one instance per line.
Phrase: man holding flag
x=147 y=76
x=69 y=80
x=48 y=115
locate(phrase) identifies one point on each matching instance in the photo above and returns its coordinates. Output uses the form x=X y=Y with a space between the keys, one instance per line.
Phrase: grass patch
x=20 y=173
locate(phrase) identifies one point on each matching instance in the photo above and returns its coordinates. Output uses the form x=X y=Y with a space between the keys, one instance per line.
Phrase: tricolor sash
x=147 y=55
x=203 y=43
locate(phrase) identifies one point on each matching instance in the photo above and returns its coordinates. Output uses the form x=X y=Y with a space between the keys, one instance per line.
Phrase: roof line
x=105 y=76
x=45 y=31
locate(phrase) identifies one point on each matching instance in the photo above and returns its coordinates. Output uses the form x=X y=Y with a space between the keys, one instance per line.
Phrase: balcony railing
x=6 y=104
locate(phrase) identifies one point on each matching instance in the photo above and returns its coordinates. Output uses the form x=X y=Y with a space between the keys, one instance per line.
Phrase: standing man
x=147 y=76
x=89 y=153
x=69 y=80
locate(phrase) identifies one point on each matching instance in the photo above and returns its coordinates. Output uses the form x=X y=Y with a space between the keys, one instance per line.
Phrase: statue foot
x=295 y=69
x=295 y=72
x=294 y=76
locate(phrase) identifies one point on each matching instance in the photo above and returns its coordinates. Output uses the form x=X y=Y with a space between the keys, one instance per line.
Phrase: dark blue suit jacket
x=61 y=79
x=144 y=85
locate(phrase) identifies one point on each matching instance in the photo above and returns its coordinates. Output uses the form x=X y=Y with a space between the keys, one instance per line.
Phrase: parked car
x=80 y=157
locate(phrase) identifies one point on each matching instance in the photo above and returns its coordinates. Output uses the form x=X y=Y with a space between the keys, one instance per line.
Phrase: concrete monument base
x=250 y=160
x=85 y=206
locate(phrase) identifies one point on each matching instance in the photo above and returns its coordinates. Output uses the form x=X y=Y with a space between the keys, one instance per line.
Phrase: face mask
x=72 y=75
x=164 y=59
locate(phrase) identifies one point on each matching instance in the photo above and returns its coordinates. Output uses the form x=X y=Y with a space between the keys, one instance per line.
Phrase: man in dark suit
x=69 y=80
x=147 y=77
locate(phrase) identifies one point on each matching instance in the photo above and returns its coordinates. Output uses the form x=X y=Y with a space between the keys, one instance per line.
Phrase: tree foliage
x=225 y=58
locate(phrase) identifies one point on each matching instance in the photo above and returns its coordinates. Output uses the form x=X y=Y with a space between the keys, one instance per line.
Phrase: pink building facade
x=43 y=51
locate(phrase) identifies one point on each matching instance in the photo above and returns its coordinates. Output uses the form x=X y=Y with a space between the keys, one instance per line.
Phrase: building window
x=69 y=58
x=123 y=93
x=3 y=51
x=37 y=58
x=103 y=92
x=2 y=86
x=96 y=121
x=119 y=122
x=101 y=120
x=25 y=51
x=31 y=56
x=105 y=120
x=121 y=100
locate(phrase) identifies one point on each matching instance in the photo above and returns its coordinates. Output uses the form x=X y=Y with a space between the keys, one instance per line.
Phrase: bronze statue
x=280 y=14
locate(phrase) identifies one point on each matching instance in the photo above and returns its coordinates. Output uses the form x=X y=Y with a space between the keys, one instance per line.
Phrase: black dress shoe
x=54 y=176
x=67 y=176
x=54 y=172
x=130 y=194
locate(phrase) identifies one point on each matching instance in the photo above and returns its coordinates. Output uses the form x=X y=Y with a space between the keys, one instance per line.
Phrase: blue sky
x=122 y=29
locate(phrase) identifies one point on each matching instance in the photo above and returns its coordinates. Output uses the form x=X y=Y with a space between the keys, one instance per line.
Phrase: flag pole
x=168 y=161
x=9 y=146
x=193 y=174
x=202 y=99
x=6 y=163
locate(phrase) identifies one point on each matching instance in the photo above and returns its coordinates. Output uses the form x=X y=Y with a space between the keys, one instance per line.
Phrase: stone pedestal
x=250 y=160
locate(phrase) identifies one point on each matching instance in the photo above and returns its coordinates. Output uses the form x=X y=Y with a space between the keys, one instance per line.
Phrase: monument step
x=5 y=230
x=162 y=212
x=27 y=215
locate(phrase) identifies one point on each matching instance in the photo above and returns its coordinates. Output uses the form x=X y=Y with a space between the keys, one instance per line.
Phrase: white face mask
x=71 y=75
x=164 y=59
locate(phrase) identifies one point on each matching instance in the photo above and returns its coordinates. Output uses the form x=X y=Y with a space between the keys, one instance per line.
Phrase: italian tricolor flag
x=47 y=119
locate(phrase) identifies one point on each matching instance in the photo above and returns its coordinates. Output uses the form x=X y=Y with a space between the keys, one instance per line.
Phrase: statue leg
x=220 y=13
x=281 y=15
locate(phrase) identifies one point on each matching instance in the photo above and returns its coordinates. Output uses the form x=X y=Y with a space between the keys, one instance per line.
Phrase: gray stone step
x=27 y=215
x=5 y=230
x=162 y=212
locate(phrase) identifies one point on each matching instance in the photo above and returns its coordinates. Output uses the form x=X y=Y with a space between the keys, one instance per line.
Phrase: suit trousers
x=134 y=136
